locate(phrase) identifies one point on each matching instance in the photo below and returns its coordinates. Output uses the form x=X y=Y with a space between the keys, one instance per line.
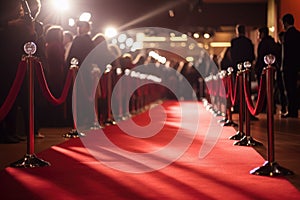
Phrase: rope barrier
x=14 y=90
x=45 y=89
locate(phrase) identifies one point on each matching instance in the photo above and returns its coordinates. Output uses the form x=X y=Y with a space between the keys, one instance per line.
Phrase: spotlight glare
x=71 y=22
x=85 y=16
x=110 y=32
x=206 y=35
x=61 y=5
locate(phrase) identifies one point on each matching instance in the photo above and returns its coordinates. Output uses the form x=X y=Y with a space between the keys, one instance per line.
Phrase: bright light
x=61 y=5
x=122 y=37
x=272 y=29
x=110 y=32
x=129 y=42
x=220 y=44
x=206 y=35
x=196 y=35
x=85 y=17
x=71 y=22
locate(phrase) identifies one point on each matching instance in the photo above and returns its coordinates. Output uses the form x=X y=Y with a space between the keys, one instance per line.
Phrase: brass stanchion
x=74 y=132
x=240 y=133
x=247 y=140
x=109 y=120
x=30 y=159
x=229 y=121
x=270 y=167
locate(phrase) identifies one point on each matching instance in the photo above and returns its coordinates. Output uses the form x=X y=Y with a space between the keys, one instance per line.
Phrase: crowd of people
x=284 y=50
x=57 y=47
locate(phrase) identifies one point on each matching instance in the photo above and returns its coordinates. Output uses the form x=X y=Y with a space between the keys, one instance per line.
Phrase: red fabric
x=233 y=91
x=14 y=90
x=75 y=174
x=45 y=89
x=255 y=110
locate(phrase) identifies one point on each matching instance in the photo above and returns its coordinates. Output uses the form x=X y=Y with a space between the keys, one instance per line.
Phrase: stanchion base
x=247 y=141
x=271 y=169
x=30 y=161
x=73 y=134
x=230 y=123
x=238 y=136
x=223 y=120
x=96 y=126
x=110 y=122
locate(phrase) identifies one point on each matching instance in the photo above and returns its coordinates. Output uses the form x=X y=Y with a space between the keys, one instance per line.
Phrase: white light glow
x=206 y=35
x=110 y=32
x=71 y=22
x=85 y=17
x=122 y=37
x=61 y=5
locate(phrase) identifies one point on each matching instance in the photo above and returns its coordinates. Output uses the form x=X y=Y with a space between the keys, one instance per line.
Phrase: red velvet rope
x=45 y=89
x=233 y=91
x=14 y=90
x=261 y=95
x=224 y=85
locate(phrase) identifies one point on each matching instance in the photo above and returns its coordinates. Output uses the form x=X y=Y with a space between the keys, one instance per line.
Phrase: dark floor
x=286 y=150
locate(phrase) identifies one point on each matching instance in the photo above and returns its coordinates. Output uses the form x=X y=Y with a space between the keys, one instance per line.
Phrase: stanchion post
x=240 y=133
x=247 y=140
x=109 y=120
x=270 y=167
x=74 y=132
x=30 y=160
x=229 y=121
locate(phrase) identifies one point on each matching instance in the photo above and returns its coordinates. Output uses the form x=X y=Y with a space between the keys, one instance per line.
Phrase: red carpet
x=222 y=174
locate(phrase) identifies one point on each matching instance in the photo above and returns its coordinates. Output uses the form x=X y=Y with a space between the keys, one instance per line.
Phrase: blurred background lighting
x=129 y=42
x=110 y=32
x=61 y=5
x=122 y=37
x=71 y=22
x=206 y=35
x=85 y=16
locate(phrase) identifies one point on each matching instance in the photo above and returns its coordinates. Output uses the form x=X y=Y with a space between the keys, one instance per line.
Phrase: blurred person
x=16 y=28
x=55 y=72
x=290 y=65
x=242 y=48
x=68 y=37
x=282 y=99
x=226 y=60
x=266 y=45
x=82 y=43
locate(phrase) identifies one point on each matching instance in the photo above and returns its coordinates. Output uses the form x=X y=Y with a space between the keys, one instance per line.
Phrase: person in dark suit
x=242 y=48
x=291 y=64
x=16 y=28
x=82 y=43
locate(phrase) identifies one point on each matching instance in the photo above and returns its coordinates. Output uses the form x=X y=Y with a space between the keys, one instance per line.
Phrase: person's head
x=240 y=29
x=68 y=37
x=10 y=10
x=287 y=21
x=83 y=27
x=263 y=32
x=54 y=34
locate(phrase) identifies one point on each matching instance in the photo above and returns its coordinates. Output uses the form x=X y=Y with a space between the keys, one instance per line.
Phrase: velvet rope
x=255 y=110
x=233 y=91
x=45 y=89
x=223 y=84
x=14 y=90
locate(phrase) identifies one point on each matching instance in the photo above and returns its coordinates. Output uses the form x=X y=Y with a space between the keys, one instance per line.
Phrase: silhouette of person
x=242 y=48
x=291 y=64
x=16 y=29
